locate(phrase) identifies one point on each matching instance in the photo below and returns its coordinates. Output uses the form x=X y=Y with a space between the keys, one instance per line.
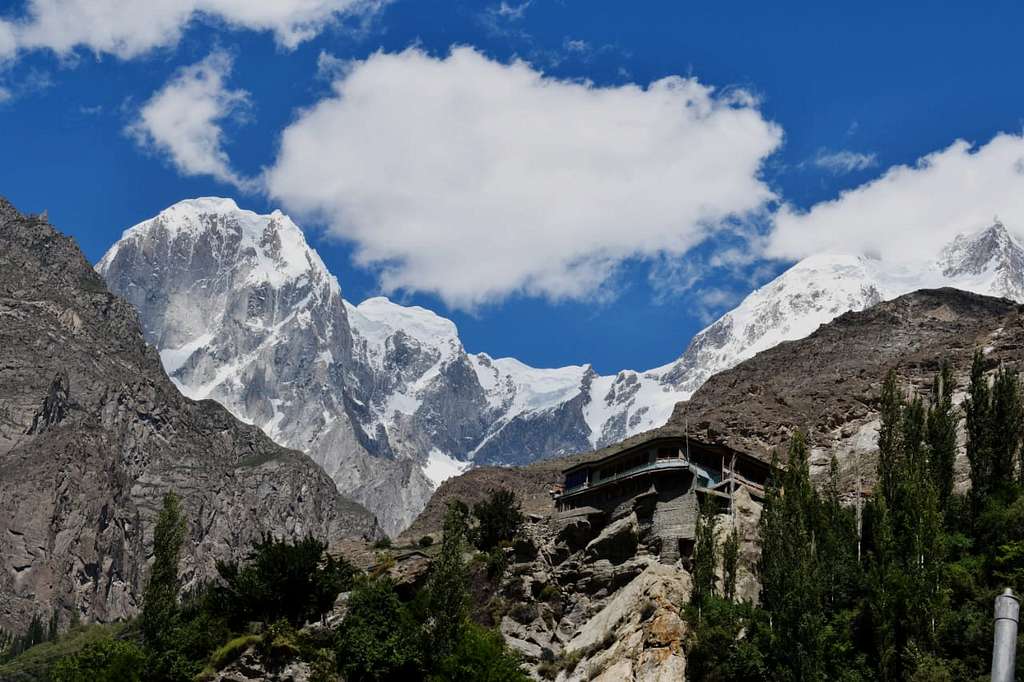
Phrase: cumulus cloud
x=911 y=211
x=128 y=28
x=183 y=120
x=476 y=179
x=844 y=161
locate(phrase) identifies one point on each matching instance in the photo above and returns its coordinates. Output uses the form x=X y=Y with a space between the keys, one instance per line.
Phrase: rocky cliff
x=93 y=433
x=826 y=384
x=386 y=398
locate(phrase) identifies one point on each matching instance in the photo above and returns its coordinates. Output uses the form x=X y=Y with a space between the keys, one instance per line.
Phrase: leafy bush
x=549 y=593
x=107 y=660
x=383 y=543
x=499 y=517
x=426 y=541
x=497 y=562
x=378 y=640
x=479 y=656
x=297 y=582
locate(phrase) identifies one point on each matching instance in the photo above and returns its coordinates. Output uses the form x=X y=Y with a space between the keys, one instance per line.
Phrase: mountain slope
x=826 y=384
x=386 y=398
x=92 y=434
x=822 y=287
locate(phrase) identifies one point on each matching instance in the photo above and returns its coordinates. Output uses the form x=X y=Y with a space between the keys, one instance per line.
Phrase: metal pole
x=1004 y=645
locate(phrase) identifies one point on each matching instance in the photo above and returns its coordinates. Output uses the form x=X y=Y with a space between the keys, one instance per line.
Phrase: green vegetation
x=296 y=582
x=34 y=662
x=499 y=519
x=262 y=605
x=910 y=596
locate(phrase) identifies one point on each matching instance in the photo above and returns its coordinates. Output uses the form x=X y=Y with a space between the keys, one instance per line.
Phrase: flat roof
x=646 y=440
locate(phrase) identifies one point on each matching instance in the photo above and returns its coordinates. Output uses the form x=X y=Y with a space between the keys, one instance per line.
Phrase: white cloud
x=5 y=94
x=911 y=211
x=475 y=179
x=183 y=119
x=128 y=28
x=844 y=161
x=576 y=45
x=513 y=11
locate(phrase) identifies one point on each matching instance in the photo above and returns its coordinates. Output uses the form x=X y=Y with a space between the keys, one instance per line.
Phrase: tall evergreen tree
x=447 y=586
x=730 y=564
x=978 y=410
x=907 y=549
x=994 y=429
x=160 y=598
x=704 y=553
x=941 y=427
x=791 y=585
x=889 y=434
x=1006 y=426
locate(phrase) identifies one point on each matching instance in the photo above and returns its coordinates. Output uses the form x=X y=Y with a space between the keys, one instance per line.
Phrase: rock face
x=93 y=433
x=820 y=288
x=826 y=384
x=386 y=398
x=594 y=614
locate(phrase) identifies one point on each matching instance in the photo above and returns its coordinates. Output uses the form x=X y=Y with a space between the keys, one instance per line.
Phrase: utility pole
x=1004 y=643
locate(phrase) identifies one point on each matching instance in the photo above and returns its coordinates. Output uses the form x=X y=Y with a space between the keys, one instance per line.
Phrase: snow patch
x=440 y=467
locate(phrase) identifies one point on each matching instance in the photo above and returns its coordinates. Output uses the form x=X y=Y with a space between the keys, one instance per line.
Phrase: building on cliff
x=657 y=484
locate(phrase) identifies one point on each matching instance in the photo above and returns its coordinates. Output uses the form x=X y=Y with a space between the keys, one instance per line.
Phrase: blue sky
x=852 y=90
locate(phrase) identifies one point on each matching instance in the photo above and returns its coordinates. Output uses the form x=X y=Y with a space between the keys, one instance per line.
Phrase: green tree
x=906 y=552
x=942 y=425
x=730 y=564
x=479 y=656
x=791 y=585
x=447 y=591
x=378 y=641
x=499 y=519
x=295 y=581
x=160 y=598
x=705 y=560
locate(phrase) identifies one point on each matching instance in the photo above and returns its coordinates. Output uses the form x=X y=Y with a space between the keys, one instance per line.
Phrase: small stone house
x=657 y=482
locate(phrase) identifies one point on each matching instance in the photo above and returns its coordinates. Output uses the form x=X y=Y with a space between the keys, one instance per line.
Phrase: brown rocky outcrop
x=93 y=433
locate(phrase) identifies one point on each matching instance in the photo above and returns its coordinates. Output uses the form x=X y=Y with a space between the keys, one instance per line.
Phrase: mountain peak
x=990 y=259
x=270 y=247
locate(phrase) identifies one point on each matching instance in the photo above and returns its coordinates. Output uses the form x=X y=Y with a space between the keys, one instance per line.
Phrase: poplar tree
x=704 y=560
x=160 y=598
x=791 y=585
x=941 y=427
x=448 y=585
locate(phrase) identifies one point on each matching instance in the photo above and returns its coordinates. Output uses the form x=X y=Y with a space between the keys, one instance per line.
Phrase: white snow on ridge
x=441 y=466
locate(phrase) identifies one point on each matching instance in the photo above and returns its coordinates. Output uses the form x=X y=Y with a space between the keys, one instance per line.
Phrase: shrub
x=426 y=541
x=297 y=582
x=499 y=518
x=549 y=593
x=378 y=640
x=480 y=655
x=108 y=660
x=383 y=543
x=496 y=563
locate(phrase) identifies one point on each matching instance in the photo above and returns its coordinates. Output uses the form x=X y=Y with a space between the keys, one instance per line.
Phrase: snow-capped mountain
x=819 y=288
x=385 y=397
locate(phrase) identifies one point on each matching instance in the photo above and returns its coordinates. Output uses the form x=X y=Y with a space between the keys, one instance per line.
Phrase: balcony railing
x=647 y=466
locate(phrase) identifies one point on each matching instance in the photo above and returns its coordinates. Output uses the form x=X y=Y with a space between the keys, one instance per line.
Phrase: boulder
x=617 y=542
